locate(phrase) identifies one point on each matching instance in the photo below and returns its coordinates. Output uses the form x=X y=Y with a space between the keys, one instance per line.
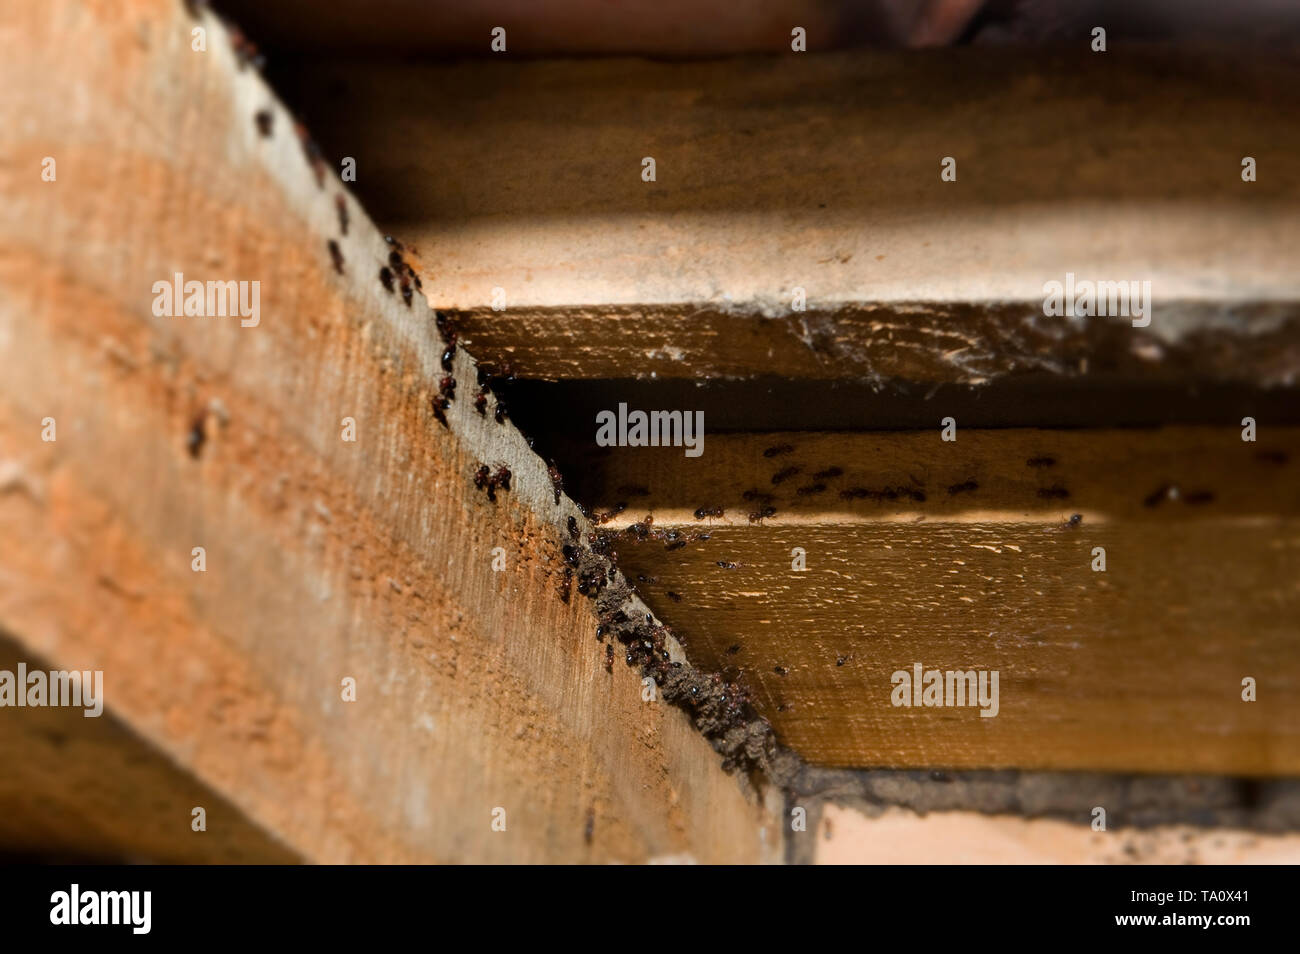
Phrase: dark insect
x=448 y=355
x=341 y=206
x=501 y=414
x=447 y=387
x=439 y=411
x=759 y=515
x=963 y=487
x=197 y=437
x=557 y=481
x=728 y=566
x=245 y=49
x=571 y=555
x=265 y=120
x=703 y=512
x=811 y=489
x=502 y=477
x=733 y=649
x=828 y=473
x=675 y=545
x=781 y=670
x=1160 y=495
x=336 y=255
x=482 y=476
x=480 y=401
x=565 y=588
x=675 y=597
x=841 y=660
x=607 y=517
x=573 y=528
x=777 y=450
x=1053 y=493
x=642 y=578
x=386 y=279
x=1041 y=462
x=786 y=474
x=609 y=657
x=406 y=291
x=1075 y=520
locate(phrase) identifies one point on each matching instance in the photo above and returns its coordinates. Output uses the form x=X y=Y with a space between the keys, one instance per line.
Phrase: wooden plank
x=966 y=556
x=90 y=790
x=823 y=173
x=325 y=559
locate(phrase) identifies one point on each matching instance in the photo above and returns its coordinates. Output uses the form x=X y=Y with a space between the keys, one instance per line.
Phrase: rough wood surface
x=475 y=689
x=962 y=556
x=823 y=173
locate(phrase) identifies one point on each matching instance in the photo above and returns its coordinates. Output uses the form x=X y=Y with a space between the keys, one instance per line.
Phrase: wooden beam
x=969 y=555
x=326 y=560
x=823 y=173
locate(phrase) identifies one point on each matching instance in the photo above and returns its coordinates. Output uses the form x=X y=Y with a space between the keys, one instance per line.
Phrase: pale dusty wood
x=325 y=559
x=1138 y=668
x=823 y=173
x=901 y=837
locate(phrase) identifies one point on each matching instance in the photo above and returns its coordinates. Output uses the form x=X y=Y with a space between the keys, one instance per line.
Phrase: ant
x=565 y=587
x=573 y=528
x=609 y=667
x=727 y=565
x=386 y=279
x=341 y=206
x=197 y=437
x=264 y=119
x=480 y=401
x=557 y=480
x=828 y=473
x=758 y=515
x=675 y=597
x=785 y=474
x=703 y=512
x=336 y=254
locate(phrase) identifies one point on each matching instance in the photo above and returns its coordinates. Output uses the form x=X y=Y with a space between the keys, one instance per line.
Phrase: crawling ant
x=447 y=387
x=778 y=449
x=841 y=660
x=781 y=670
x=609 y=657
x=480 y=401
x=786 y=474
x=675 y=545
x=386 y=279
x=341 y=206
x=557 y=480
x=482 y=476
x=565 y=587
x=336 y=255
x=502 y=477
x=1056 y=492
x=702 y=512
x=811 y=489
x=963 y=487
x=642 y=578
x=1041 y=462
x=759 y=515
x=500 y=414
x=607 y=517
x=828 y=473
x=197 y=437
x=1160 y=494
x=440 y=406
x=573 y=528
x=406 y=291
x=1075 y=521
x=264 y=119
x=727 y=565
x=675 y=597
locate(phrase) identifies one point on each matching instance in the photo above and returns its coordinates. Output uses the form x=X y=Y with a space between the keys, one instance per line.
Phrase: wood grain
x=974 y=564
x=326 y=559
